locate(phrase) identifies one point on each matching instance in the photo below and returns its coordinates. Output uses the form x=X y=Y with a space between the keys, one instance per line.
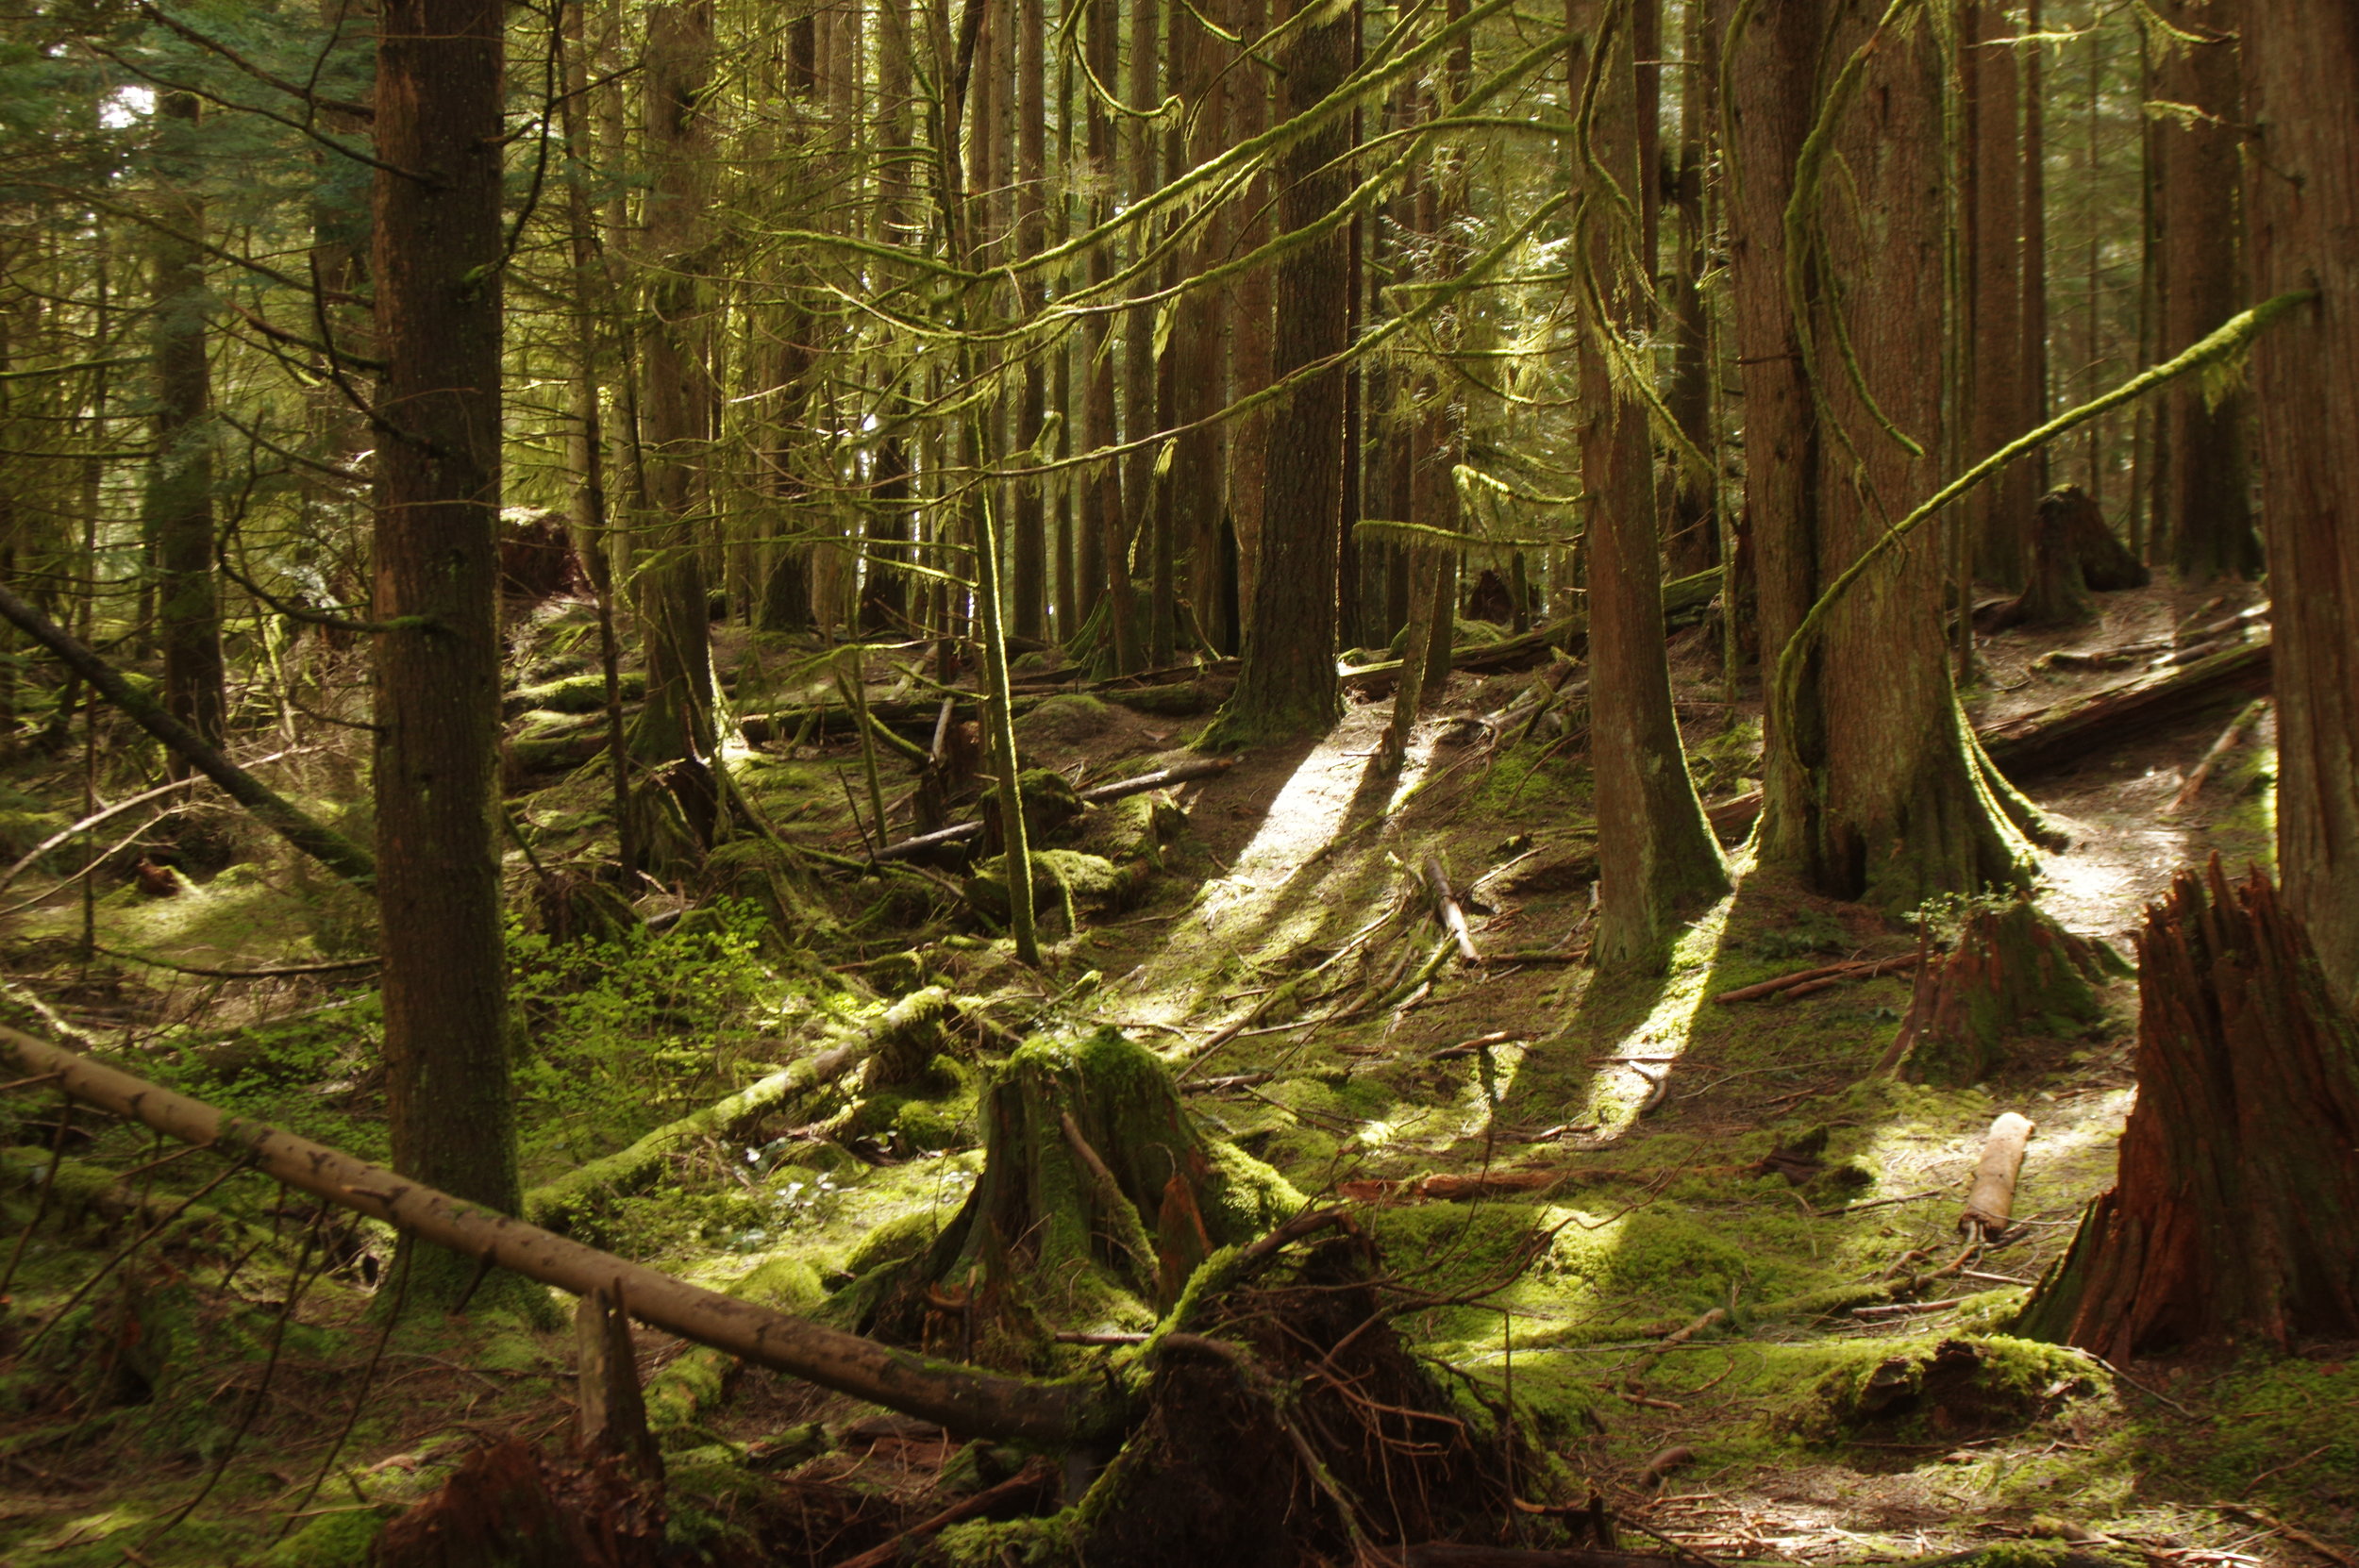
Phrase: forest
x=1064 y=783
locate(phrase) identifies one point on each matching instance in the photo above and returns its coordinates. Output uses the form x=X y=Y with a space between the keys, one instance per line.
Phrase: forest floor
x=1605 y=1147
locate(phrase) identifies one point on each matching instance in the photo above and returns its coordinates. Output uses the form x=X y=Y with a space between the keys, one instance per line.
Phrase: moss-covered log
x=557 y=1204
x=2052 y=737
x=1099 y=1198
x=2010 y=967
x=2234 y=1214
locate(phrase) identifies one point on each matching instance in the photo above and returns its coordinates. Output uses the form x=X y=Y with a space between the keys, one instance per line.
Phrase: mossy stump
x=2010 y=967
x=2235 y=1212
x=1100 y=1197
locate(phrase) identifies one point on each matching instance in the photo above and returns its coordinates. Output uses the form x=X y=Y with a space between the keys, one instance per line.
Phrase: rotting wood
x=1446 y=908
x=2229 y=1219
x=610 y=1414
x=2050 y=737
x=963 y=1399
x=1990 y=1201
x=2009 y=966
x=2248 y=716
x=1098 y=795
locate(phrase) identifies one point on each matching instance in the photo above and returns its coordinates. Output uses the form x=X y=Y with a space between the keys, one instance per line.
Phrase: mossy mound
x=1950 y=1390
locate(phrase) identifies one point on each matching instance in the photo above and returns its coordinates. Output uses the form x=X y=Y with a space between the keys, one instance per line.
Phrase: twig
x=331 y=966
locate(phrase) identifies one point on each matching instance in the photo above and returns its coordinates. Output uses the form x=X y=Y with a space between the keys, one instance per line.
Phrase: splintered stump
x=2234 y=1214
x=2011 y=968
x=1100 y=1197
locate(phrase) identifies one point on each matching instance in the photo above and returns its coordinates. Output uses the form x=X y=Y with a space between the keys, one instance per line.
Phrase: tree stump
x=2234 y=1213
x=1099 y=1198
x=2074 y=556
x=2010 y=966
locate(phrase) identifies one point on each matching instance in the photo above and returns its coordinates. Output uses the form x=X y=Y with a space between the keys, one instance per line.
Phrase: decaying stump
x=1286 y=1423
x=2234 y=1213
x=1099 y=1198
x=2074 y=555
x=2010 y=967
x=510 y=1506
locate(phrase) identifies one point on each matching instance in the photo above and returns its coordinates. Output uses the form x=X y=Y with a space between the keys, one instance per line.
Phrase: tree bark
x=2000 y=513
x=1656 y=855
x=2234 y=1213
x=1249 y=308
x=1877 y=797
x=1139 y=485
x=677 y=722
x=2210 y=470
x=436 y=260
x=1031 y=225
x=1773 y=69
x=2300 y=76
x=1198 y=329
x=1287 y=686
x=181 y=484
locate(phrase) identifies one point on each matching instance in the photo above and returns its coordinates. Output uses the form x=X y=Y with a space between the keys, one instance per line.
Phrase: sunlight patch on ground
x=1618 y=1089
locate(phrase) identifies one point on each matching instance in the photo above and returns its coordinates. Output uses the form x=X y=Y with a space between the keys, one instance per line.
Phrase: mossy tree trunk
x=1656 y=855
x=1871 y=790
x=2235 y=1211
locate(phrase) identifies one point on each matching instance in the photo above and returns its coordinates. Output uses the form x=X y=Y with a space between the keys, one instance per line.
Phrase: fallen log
x=1990 y=1201
x=2053 y=736
x=1098 y=795
x=962 y=1399
x=323 y=844
x=558 y=1204
x=1446 y=908
x=2244 y=720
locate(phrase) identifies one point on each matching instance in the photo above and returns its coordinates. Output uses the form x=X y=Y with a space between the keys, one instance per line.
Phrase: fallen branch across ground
x=1803 y=981
x=962 y=1399
x=1096 y=794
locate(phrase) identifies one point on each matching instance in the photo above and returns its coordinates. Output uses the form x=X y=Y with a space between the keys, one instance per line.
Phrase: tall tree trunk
x=1031 y=221
x=181 y=484
x=1773 y=68
x=1250 y=308
x=1200 y=330
x=1874 y=793
x=2000 y=513
x=1694 y=541
x=1656 y=855
x=436 y=274
x=2034 y=383
x=1287 y=686
x=1104 y=574
x=1139 y=484
x=2300 y=76
x=1350 y=621
x=2209 y=469
x=676 y=721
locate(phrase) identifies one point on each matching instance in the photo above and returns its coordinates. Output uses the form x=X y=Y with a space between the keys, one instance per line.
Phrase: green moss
x=338 y=1539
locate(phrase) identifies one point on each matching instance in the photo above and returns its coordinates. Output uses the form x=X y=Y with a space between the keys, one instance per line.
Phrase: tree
x=2300 y=73
x=1287 y=686
x=2209 y=469
x=1656 y=855
x=676 y=725
x=180 y=488
x=1995 y=291
x=436 y=266
x=1873 y=790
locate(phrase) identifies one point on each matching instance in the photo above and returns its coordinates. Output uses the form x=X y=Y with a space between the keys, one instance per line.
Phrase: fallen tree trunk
x=2050 y=737
x=558 y=1204
x=1990 y=1202
x=960 y=1398
x=1098 y=795
x=323 y=844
